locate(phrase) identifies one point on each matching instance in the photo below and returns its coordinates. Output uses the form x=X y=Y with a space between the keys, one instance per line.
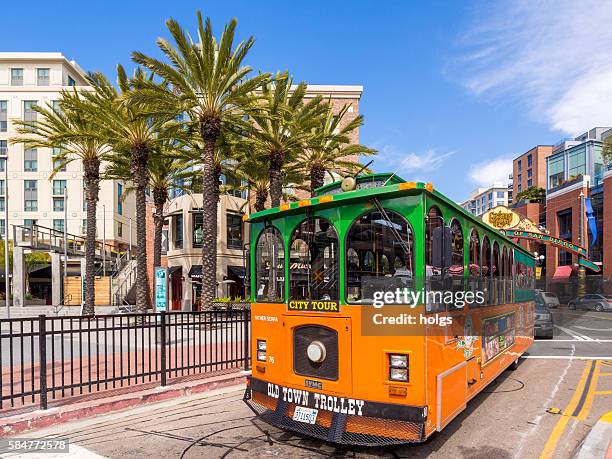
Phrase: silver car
x=549 y=299
x=593 y=302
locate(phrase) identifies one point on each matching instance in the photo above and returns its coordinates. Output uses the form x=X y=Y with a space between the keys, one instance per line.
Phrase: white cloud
x=554 y=55
x=494 y=171
x=393 y=158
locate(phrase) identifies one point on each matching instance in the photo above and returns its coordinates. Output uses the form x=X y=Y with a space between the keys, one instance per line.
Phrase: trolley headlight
x=398 y=367
x=261 y=350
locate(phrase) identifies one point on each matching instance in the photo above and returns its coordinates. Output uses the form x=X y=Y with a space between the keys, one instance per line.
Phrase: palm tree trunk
x=159 y=199
x=140 y=159
x=260 y=200
x=92 y=187
x=317 y=178
x=277 y=161
x=210 y=130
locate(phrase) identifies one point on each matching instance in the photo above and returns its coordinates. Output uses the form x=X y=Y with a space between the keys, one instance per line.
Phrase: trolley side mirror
x=441 y=248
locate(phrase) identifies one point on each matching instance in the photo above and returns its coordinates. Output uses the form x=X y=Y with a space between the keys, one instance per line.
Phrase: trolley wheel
x=514 y=365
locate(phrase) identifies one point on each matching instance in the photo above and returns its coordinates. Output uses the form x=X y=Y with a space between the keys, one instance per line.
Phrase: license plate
x=306 y=415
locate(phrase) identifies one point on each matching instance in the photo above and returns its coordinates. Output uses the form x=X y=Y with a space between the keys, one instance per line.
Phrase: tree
x=166 y=171
x=532 y=194
x=607 y=152
x=209 y=86
x=67 y=130
x=329 y=148
x=134 y=135
x=283 y=124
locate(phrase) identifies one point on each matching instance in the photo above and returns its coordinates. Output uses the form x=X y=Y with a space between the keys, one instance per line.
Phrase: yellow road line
x=603 y=392
x=584 y=412
x=551 y=444
x=605 y=374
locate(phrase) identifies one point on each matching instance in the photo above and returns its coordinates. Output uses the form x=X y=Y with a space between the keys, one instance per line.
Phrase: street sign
x=161 y=288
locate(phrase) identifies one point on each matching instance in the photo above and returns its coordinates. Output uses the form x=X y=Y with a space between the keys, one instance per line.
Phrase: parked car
x=550 y=299
x=543 y=319
x=593 y=301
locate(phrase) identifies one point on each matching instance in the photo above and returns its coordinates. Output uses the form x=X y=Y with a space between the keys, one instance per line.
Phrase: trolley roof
x=379 y=185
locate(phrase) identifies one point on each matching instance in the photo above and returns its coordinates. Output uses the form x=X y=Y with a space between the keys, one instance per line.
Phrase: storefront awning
x=562 y=272
x=237 y=271
x=195 y=272
x=173 y=269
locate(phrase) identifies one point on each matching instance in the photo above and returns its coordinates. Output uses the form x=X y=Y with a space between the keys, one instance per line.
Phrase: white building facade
x=483 y=199
x=28 y=79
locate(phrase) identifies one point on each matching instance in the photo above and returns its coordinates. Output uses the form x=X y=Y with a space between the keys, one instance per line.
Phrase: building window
x=556 y=173
x=500 y=194
x=58 y=204
x=56 y=106
x=234 y=231
x=2 y=187
x=520 y=178
x=30 y=160
x=178 y=232
x=120 y=199
x=520 y=165
x=59 y=187
x=520 y=188
x=529 y=183
x=58 y=224
x=71 y=81
x=3 y=116
x=29 y=222
x=28 y=110
x=16 y=77
x=2 y=204
x=576 y=163
x=119 y=229
x=42 y=77
x=529 y=160
x=30 y=188
x=564 y=223
x=529 y=172
x=3 y=148
x=198 y=221
x=2 y=227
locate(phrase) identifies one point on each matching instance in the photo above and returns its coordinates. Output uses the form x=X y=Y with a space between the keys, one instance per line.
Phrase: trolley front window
x=313 y=264
x=379 y=255
x=270 y=266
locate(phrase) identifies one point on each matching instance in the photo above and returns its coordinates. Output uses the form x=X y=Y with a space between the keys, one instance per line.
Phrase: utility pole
x=7 y=288
x=581 y=270
x=103 y=240
x=130 y=240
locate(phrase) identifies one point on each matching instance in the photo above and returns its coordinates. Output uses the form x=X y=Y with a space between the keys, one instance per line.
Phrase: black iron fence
x=50 y=358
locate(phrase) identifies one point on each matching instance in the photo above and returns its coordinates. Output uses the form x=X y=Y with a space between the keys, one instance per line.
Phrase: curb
x=17 y=424
x=598 y=443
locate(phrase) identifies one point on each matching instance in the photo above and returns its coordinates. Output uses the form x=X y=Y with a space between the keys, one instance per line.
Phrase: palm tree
x=329 y=148
x=134 y=135
x=67 y=130
x=282 y=126
x=166 y=171
x=211 y=88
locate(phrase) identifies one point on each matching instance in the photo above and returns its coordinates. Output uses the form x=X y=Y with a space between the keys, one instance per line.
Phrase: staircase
x=123 y=281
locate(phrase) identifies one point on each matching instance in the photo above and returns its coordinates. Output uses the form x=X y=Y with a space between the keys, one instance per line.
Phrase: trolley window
x=313 y=261
x=270 y=266
x=379 y=255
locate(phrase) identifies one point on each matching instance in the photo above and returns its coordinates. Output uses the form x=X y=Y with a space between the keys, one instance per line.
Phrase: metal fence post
x=162 y=335
x=246 y=338
x=42 y=349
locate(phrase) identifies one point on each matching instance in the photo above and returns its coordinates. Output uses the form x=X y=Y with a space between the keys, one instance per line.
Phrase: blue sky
x=452 y=91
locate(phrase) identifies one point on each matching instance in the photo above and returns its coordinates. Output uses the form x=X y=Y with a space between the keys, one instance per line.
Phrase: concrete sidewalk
x=91 y=406
x=598 y=443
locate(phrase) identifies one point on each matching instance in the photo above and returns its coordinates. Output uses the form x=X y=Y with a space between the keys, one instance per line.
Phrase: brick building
x=529 y=169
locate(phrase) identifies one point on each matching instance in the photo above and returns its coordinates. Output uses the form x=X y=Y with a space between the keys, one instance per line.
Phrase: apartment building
x=26 y=80
x=529 y=169
x=485 y=198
